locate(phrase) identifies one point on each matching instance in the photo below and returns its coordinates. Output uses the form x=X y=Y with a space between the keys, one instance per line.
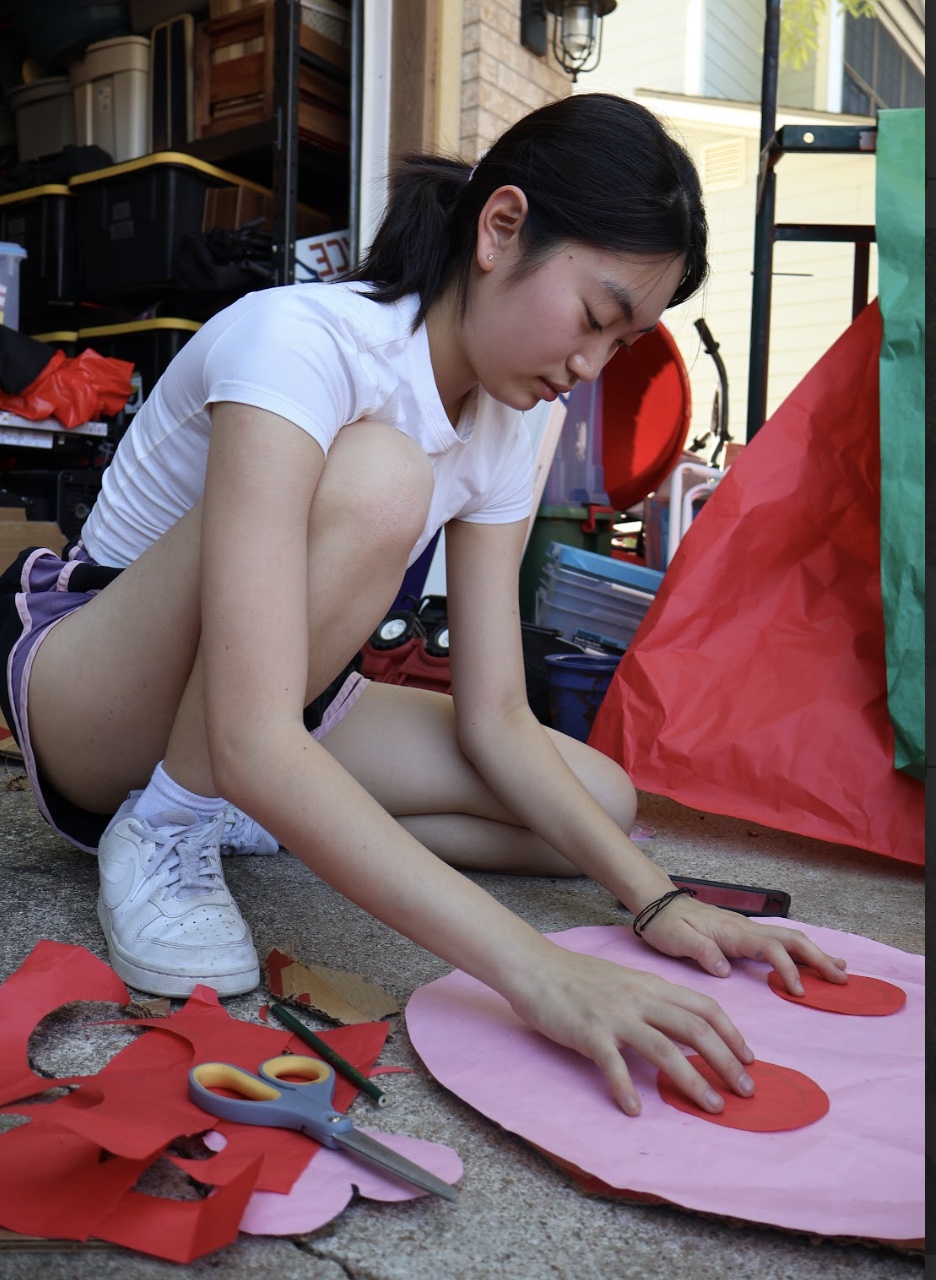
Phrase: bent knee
x=602 y=777
x=376 y=468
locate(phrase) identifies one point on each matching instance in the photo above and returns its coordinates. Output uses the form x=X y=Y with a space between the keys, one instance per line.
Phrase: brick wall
x=501 y=80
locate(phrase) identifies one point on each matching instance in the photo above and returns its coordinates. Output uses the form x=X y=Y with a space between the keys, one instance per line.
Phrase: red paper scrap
x=69 y=1173
x=783 y=1099
x=180 y=1230
x=133 y=1107
x=860 y=995
x=54 y=1183
x=53 y=974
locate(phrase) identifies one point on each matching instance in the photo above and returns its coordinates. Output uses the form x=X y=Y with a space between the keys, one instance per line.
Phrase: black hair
x=596 y=169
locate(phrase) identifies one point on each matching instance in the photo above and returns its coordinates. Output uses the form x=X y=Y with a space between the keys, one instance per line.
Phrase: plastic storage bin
x=45 y=116
x=44 y=221
x=11 y=258
x=577 y=474
x=573 y=526
x=592 y=598
x=132 y=218
x=111 y=97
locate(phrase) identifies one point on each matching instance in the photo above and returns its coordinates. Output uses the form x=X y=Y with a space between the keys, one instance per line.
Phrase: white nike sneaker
x=241 y=834
x=168 y=917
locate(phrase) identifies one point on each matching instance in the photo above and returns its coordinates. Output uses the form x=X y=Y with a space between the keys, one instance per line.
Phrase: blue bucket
x=577 y=684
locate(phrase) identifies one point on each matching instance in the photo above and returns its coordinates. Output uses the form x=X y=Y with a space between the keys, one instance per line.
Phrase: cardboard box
x=17 y=533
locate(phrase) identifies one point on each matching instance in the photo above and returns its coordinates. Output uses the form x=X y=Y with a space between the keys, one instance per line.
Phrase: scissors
x=305 y=1104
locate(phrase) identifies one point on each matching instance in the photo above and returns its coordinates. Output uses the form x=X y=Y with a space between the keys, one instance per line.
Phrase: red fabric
x=74 y=390
x=756 y=685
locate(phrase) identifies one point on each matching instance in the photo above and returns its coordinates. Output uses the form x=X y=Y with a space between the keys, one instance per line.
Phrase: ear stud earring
x=490 y=257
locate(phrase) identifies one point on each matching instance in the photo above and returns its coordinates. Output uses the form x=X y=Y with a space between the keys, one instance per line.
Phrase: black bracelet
x=653 y=909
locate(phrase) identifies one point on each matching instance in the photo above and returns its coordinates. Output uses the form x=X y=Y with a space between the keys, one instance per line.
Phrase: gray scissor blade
x=370 y=1149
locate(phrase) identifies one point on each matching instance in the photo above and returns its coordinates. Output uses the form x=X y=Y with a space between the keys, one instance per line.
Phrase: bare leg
x=115 y=686
x=401 y=746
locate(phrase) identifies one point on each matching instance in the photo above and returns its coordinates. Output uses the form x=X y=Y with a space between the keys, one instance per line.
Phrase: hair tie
x=653 y=909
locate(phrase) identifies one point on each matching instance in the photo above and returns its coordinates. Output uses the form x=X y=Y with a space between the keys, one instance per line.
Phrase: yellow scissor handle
x=221 y=1075
x=310 y=1070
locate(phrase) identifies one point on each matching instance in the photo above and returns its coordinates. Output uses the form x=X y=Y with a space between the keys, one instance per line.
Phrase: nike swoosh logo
x=115 y=889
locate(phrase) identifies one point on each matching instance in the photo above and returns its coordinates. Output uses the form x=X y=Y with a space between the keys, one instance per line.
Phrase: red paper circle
x=783 y=1098
x=865 y=997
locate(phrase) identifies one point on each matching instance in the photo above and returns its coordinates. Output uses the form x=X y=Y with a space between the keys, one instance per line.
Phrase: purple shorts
x=37 y=591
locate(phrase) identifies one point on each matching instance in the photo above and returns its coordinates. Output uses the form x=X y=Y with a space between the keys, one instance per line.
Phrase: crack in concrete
x=322 y=1256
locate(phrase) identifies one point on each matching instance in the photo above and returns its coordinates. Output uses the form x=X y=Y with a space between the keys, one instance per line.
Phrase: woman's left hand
x=710 y=935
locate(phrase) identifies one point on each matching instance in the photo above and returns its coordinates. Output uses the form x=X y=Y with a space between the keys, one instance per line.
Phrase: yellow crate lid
x=33 y=193
x=138 y=326
x=166 y=158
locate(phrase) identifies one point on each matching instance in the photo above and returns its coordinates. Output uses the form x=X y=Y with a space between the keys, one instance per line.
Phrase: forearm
x=316 y=809
x=520 y=763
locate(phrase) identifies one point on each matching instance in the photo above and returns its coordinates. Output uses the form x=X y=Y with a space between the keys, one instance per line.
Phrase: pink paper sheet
x=329 y=1182
x=857 y=1172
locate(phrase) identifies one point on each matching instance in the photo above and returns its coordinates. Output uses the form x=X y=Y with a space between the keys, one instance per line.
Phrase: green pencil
x=331 y=1057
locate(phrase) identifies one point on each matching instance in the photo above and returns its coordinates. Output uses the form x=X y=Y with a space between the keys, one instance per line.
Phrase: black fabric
x=22 y=359
x=314 y=713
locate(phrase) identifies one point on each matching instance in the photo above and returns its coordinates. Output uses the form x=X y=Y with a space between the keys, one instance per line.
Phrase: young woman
x=222 y=579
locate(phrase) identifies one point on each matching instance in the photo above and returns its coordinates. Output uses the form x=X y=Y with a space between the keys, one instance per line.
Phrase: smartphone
x=743 y=898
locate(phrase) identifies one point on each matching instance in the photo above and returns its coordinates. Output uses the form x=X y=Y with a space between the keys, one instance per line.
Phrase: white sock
x=163 y=795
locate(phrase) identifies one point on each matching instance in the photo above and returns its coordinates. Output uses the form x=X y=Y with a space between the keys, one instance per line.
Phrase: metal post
x=355 y=122
x=286 y=143
x=763 y=228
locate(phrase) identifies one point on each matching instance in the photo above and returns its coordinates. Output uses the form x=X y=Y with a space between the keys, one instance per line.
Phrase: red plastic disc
x=865 y=997
x=783 y=1098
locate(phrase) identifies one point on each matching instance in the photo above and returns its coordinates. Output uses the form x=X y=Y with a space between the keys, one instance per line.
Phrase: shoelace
x=238 y=829
x=190 y=858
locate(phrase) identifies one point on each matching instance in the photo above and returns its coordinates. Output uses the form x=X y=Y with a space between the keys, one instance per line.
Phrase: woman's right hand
x=598 y=1007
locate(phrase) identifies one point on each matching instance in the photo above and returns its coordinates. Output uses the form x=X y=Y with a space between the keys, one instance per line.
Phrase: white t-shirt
x=322 y=356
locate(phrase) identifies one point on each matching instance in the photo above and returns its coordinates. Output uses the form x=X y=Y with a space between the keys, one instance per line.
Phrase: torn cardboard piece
x=342 y=997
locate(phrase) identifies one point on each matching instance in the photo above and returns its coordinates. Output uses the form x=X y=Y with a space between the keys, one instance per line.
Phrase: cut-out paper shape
x=53 y=974
x=860 y=995
x=131 y=1107
x=858 y=1172
x=342 y=997
x=180 y=1230
x=783 y=1098
x=54 y=1183
x=329 y=1182
x=70 y=1172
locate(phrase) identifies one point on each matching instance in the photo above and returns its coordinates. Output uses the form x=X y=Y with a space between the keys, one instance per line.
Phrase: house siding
x=734 y=40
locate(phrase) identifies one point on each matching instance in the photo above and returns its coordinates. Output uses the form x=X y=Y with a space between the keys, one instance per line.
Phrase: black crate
x=44 y=220
x=133 y=217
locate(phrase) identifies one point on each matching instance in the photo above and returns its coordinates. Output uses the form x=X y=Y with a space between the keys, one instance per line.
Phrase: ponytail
x=413 y=248
x=596 y=170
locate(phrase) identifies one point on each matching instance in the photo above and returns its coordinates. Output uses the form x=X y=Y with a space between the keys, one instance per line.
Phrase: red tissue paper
x=756 y=685
x=70 y=1173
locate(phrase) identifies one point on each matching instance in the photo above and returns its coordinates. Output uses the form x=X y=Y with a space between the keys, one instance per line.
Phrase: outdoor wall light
x=576 y=34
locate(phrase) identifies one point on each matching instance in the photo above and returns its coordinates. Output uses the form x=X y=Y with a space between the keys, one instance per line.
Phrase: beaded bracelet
x=653 y=909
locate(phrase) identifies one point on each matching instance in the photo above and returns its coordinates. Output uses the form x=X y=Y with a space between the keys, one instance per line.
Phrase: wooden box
x=234 y=78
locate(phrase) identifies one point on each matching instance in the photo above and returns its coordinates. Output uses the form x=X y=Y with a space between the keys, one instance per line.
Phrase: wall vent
x=723 y=165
